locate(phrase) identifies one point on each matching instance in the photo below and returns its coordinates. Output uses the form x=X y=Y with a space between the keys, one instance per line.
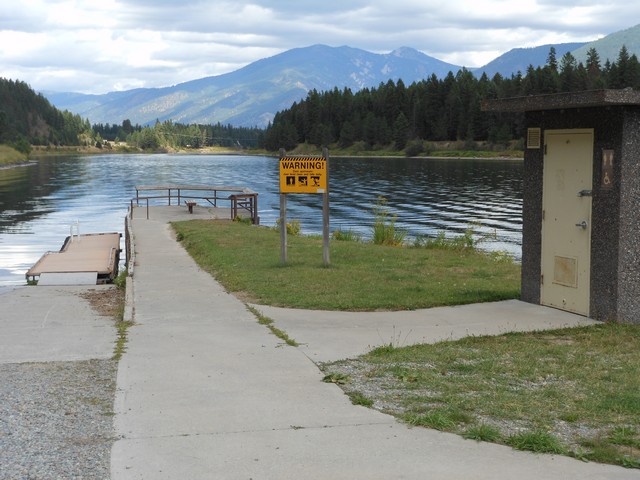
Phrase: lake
x=427 y=196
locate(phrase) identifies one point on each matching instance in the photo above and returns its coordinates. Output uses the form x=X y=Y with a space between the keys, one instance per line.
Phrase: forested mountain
x=28 y=118
x=518 y=59
x=609 y=46
x=439 y=109
x=320 y=95
x=252 y=95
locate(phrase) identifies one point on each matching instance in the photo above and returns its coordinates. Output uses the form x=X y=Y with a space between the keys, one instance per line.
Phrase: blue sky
x=98 y=46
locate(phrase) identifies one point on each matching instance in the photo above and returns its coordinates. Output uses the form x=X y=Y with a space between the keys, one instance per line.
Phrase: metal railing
x=239 y=198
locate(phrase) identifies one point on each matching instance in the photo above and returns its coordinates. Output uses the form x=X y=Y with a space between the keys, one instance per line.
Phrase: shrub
x=414 y=148
x=22 y=145
x=294 y=227
x=384 y=226
x=348 y=236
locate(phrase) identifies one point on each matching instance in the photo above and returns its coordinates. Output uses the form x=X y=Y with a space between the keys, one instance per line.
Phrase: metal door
x=566 y=224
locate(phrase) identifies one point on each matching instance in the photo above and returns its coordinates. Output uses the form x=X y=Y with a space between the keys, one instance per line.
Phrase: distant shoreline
x=39 y=151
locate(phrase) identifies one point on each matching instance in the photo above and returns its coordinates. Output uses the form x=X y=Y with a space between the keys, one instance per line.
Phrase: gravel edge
x=56 y=419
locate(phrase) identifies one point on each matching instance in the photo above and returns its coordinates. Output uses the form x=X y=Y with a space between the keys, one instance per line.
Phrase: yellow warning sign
x=303 y=175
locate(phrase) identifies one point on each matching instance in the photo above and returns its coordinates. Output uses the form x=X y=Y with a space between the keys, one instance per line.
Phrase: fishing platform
x=240 y=199
x=88 y=259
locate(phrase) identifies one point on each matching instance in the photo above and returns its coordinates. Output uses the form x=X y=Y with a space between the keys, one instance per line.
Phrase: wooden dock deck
x=87 y=259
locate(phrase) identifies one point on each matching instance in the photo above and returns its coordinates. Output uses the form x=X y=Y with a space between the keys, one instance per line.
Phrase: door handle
x=582 y=224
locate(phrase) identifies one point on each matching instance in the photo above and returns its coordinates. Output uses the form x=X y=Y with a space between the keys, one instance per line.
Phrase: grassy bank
x=426 y=149
x=10 y=156
x=246 y=260
x=572 y=391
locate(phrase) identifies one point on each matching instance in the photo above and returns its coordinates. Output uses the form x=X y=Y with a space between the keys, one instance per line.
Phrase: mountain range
x=252 y=95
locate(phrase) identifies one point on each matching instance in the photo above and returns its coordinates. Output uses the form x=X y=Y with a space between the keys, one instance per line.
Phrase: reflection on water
x=38 y=203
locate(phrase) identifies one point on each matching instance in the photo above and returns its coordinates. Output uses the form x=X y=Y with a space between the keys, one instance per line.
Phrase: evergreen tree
x=400 y=131
x=443 y=109
x=552 y=62
x=594 y=71
x=569 y=81
x=347 y=135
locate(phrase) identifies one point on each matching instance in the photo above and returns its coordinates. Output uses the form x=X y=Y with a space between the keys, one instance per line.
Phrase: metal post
x=325 y=214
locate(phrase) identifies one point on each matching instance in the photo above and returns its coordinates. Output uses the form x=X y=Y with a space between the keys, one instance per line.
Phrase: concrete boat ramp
x=206 y=392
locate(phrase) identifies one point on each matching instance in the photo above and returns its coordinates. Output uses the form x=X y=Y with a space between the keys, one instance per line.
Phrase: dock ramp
x=87 y=259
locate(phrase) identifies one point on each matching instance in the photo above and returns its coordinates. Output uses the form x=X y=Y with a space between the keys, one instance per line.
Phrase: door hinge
x=542 y=279
x=542 y=214
x=545 y=148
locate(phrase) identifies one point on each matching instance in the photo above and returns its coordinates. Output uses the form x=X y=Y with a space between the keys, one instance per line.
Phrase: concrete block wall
x=615 y=236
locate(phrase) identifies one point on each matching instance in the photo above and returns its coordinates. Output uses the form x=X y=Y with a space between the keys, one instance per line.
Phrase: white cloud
x=96 y=46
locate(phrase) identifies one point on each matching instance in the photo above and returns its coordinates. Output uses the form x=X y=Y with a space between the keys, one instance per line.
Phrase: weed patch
x=570 y=391
x=483 y=433
x=266 y=321
x=359 y=399
x=537 y=441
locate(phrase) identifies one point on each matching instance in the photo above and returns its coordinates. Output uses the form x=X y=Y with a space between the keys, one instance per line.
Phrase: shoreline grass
x=453 y=150
x=362 y=277
x=10 y=156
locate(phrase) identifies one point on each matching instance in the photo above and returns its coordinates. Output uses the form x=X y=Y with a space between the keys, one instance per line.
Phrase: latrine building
x=581 y=201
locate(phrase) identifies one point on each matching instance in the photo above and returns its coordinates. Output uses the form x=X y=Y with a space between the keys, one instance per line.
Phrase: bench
x=190 y=204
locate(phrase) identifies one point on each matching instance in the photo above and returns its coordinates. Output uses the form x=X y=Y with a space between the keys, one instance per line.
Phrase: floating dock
x=87 y=259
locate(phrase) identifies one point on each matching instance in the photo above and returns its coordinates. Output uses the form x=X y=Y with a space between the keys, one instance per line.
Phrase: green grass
x=358 y=398
x=10 y=156
x=430 y=149
x=483 y=433
x=538 y=441
x=572 y=391
x=246 y=260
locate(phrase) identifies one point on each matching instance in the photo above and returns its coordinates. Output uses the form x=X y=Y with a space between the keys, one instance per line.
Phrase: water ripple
x=425 y=197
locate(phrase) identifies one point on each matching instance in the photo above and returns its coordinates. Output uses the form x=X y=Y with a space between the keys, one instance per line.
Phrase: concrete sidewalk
x=327 y=336
x=205 y=392
x=47 y=324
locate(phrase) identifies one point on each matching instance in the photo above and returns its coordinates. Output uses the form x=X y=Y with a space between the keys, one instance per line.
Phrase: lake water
x=38 y=203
